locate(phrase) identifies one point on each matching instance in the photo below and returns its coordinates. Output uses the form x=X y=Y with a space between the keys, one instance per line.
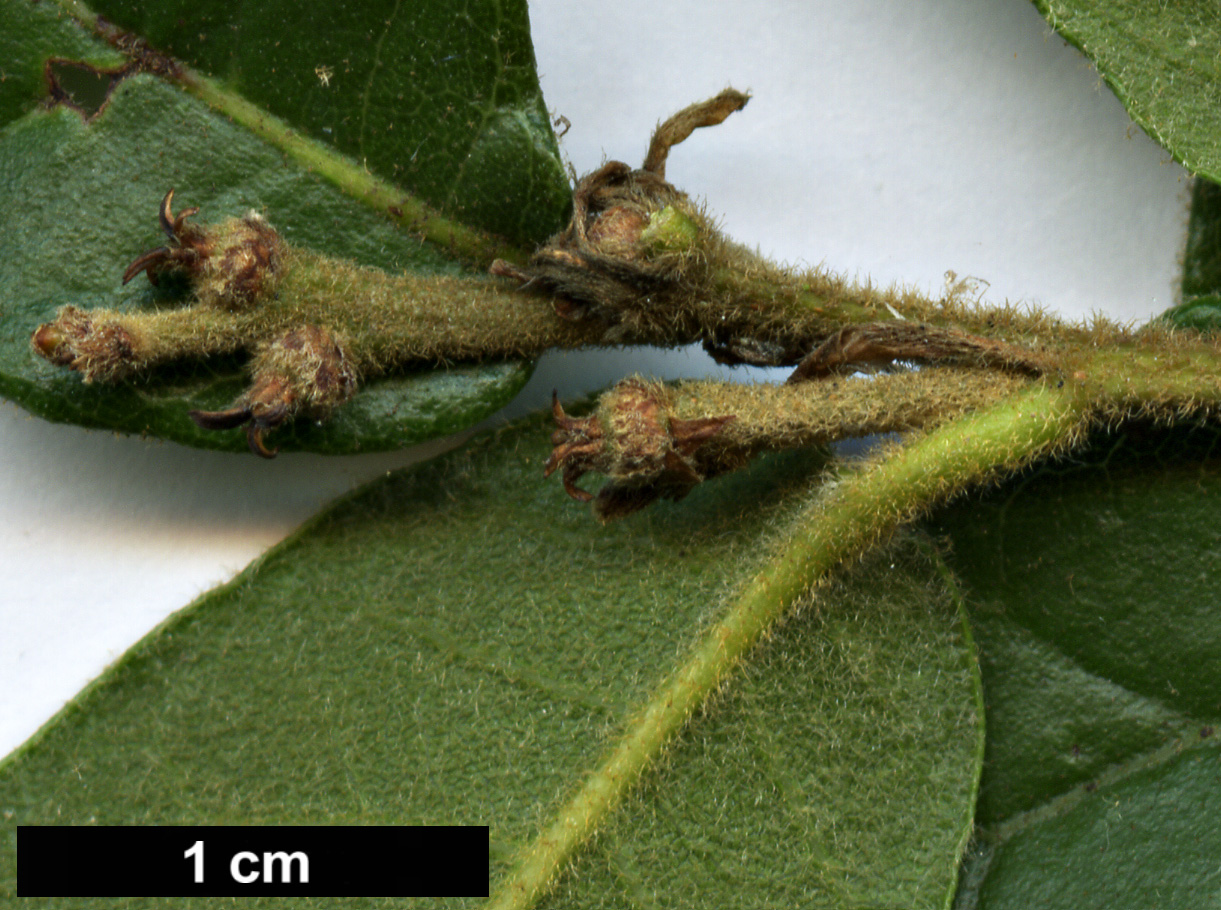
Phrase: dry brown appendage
x=857 y=346
x=639 y=257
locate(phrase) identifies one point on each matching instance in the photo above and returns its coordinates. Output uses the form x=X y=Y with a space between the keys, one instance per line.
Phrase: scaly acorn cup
x=235 y=264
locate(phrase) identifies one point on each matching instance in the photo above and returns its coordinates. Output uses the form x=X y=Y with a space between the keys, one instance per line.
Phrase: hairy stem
x=769 y=417
x=866 y=504
x=656 y=441
x=1165 y=375
x=385 y=321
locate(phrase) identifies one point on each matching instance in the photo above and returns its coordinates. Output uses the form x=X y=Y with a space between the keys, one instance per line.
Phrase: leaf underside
x=1094 y=603
x=1161 y=60
x=81 y=200
x=459 y=643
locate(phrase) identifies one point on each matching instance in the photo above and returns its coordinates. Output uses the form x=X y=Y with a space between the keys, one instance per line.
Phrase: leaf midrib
x=395 y=202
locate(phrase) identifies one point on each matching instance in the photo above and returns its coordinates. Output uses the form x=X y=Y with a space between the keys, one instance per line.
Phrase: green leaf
x=439 y=96
x=34 y=34
x=1094 y=602
x=1161 y=60
x=81 y=197
x=1202 y=257
x=1201 y=288
x=1149 y=840
x=460 y=643
x=1202 y=314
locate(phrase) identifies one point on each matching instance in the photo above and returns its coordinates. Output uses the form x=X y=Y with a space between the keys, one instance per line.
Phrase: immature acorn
x=232 y=264
x=638 y=254
x=305 y=371
x=646 y=453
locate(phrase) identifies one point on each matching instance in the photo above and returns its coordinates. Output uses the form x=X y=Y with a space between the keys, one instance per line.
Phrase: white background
x=894 y=140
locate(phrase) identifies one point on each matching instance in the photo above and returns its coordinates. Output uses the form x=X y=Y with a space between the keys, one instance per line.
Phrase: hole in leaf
x=82 y=87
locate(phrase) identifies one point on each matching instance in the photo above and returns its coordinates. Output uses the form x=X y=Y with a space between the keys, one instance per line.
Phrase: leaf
x=439 y=97
x=1094 y=603
x=1203 y=314
x=34 y=34
x=460 y=643
x=1148 y=840
x=1161 y=60
x=832 y=775
x=81 y=200
x=1200 y=308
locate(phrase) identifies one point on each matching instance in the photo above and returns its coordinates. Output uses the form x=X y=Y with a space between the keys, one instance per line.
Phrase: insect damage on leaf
x=81 y=87
x=86 y=89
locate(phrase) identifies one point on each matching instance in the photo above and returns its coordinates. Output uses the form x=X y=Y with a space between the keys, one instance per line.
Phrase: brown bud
x=645 y=453
x=98 y=350
x=231 y=265
x=305 y=371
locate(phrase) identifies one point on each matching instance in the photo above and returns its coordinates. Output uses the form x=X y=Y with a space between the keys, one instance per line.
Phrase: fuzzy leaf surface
x=1093 y=598
x=80 y=200
x=1161 y=60
x=459 y=643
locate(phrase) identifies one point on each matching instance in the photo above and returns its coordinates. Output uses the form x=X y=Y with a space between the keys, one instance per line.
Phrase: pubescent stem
x=653 y=441
x=656 y=441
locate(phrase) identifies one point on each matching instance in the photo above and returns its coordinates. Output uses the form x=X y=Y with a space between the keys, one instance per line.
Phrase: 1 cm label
x=246 y=867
